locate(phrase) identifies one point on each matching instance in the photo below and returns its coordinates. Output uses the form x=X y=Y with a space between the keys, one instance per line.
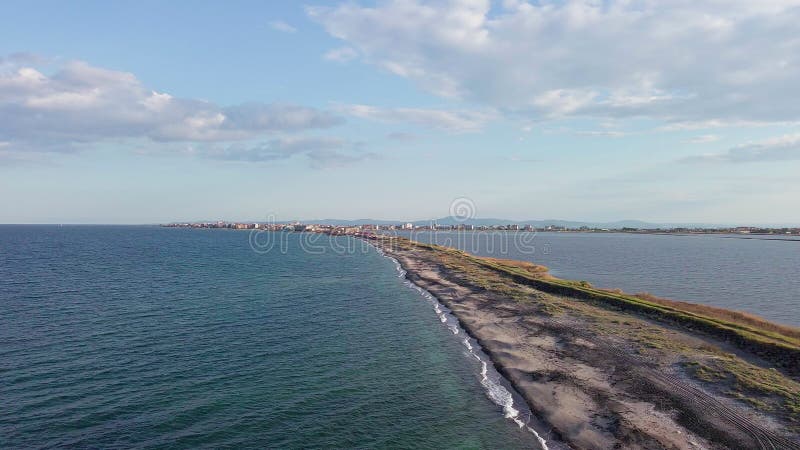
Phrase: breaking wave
x=497 y=388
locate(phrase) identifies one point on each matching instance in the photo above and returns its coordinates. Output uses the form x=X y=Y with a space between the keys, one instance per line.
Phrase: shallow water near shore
x=755 y=274
x=148 y=337
x=497 y=388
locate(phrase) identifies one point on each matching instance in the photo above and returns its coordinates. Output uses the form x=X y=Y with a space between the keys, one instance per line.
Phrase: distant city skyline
x=488 y=221
x=155 y=112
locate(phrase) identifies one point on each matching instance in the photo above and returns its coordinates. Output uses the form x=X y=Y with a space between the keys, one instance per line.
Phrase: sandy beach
x=604 y=377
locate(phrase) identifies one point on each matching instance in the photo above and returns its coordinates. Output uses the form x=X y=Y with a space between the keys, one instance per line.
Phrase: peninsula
x=606 y=369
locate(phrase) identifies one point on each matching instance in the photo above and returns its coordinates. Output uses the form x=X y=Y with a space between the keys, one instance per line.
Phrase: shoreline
x=496 y=385
x=649 y=383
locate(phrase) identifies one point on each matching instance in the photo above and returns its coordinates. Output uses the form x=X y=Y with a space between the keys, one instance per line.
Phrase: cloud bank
x=79 y=105
x=322 y=152
x=447 y=120
x=783 y=148
x=682 y=61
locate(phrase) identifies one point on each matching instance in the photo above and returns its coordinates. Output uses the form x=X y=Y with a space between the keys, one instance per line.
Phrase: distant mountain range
x=535 y=223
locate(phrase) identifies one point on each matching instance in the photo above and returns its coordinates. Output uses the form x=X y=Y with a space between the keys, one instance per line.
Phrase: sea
x=151 y=337
x=759 y=274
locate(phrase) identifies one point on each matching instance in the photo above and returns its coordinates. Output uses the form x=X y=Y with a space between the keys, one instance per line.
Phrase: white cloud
x=561 y=102
x=80 y=104
x=447 y=120
x=684 y=61
x=703 y=139
x=282 y=26
x=341 y=54
x=321 y=152
x=716 y=123
x=783 y=148
x=156 y=101
x=602 y=133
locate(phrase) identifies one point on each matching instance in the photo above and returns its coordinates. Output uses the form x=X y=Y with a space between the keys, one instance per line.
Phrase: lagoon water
x=153 y=337
x=757 y=274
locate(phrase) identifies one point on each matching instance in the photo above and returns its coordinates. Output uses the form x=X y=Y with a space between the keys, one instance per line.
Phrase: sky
x=154 y=112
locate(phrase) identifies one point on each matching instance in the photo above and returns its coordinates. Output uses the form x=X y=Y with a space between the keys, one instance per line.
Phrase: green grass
x=780 y=349
x=763 y=388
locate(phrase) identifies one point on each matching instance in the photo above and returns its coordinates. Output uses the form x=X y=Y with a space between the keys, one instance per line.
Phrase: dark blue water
x=153 y=337
x=760 y=275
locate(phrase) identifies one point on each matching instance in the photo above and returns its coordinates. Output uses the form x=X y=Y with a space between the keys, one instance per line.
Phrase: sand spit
x=605 y=378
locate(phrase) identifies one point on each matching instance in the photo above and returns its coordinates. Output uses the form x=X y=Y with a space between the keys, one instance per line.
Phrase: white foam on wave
x=491 y=380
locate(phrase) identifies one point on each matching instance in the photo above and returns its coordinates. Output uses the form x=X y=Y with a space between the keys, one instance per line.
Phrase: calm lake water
x=757 y=274
x=154 y=337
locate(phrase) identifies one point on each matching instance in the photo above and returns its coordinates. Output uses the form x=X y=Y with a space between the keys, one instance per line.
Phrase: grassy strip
x=763 y=388
x=779 y=349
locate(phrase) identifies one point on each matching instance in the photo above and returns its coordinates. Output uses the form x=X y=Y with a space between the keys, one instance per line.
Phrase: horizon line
x=432 y=221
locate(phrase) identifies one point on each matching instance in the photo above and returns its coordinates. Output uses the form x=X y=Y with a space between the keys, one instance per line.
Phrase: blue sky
x=145 y=112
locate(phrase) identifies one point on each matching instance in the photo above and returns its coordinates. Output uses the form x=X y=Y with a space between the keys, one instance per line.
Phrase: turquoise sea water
x=117 y=337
